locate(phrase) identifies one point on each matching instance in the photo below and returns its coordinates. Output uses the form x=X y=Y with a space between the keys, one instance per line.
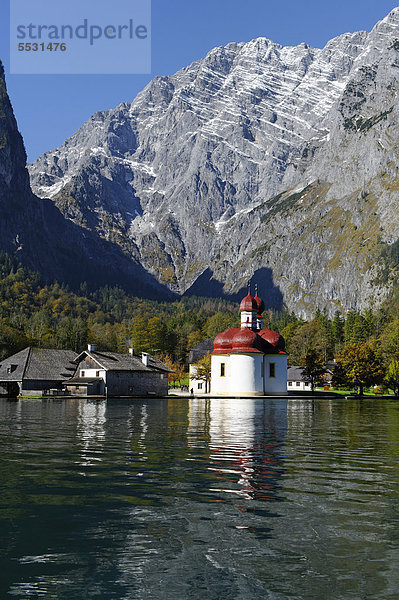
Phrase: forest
x=52 y=316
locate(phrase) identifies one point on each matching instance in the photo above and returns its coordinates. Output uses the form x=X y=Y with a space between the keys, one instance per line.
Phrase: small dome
x=246 y=340
x=248 y=304
x=275 y=339
x=260 y=305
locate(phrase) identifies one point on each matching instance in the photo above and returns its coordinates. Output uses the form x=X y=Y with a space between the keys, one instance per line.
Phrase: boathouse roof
x=38 y=364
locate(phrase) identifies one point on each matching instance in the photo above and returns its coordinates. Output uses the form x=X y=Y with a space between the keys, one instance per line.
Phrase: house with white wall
x=196 y=354
x=296 y=381
x=115 y=374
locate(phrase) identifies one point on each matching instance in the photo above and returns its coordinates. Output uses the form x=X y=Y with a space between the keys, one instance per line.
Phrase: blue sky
x=49 y=108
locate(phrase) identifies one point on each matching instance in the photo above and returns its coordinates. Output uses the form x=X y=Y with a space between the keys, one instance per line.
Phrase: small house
x=196 y=354
x=36 y=371
x=296 y=381
x=115 y=374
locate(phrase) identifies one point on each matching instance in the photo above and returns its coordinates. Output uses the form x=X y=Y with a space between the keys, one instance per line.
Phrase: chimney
x=145 y=358
x=91 y=347
x=131 y=351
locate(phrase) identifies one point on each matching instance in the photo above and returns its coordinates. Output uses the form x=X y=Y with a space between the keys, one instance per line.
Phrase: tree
x=11 y=340
x=337 y=327
x=167 y=360
x=392 y=377
x=180 y=373
x=314 y=336
x=156 y=333
x=139 y=334
x=313 y=368
x=204 y=371
x=219 y=322
x=390 y=341
x=358 y=365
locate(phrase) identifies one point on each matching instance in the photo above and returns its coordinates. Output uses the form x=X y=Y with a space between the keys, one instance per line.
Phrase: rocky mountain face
x=276 y=164
x=35 y=230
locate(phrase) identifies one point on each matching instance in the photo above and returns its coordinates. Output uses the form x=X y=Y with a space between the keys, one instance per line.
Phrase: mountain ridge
x=223 y=166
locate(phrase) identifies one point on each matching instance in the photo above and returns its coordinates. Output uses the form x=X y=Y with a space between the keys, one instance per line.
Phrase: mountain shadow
x=209 y=287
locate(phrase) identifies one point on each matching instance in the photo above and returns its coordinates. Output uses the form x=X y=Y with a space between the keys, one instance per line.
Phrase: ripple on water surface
x=174 y=499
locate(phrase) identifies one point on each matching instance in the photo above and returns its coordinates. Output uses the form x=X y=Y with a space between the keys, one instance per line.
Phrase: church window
x=272 y=370
x=222 y=369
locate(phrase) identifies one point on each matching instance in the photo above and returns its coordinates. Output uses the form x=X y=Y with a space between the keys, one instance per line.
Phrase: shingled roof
x=38 y=364
x=295 y=374
x=199 y=351
x=115 y=361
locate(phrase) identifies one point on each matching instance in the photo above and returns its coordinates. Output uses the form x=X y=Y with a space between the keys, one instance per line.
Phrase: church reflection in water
x=245 y=440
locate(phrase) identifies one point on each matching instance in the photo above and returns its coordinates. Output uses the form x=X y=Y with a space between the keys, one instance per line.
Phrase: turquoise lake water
x=201 y=499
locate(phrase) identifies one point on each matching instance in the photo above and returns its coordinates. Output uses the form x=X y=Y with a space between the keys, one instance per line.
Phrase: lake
x=202 y=499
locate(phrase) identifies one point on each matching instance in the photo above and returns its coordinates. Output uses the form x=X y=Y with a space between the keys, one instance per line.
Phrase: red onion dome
x=248 y=304
x=260 y=305
x=275 y=339
x=246 y=340
x=223 y=342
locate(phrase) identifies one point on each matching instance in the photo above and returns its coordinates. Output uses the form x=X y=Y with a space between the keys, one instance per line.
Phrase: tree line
x=53 y=316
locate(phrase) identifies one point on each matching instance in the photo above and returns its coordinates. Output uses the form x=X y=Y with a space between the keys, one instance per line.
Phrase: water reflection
x=244 y=439
x=199 y=499
x=91 y=431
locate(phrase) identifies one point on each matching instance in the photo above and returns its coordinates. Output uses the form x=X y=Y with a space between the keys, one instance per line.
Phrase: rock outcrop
x=260 y=161
x=37 y=233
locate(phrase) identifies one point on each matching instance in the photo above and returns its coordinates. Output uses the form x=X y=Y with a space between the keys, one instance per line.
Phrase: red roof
x=242 y=341
x=248 y=304
x=260 y=305
x=274 y=339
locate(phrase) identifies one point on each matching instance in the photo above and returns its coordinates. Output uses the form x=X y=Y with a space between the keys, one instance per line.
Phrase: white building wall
x=243 y=374
x=92 y=373
x=277 y=384
x=298 y=386
x=246 y=374
x=195 y=384
x=220 y=385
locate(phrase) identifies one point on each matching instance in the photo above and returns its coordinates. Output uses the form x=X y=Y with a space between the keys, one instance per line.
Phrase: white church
x=250 y=361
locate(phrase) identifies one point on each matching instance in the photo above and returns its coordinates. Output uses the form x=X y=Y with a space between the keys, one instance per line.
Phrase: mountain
x=262 y=162
x=35 y=231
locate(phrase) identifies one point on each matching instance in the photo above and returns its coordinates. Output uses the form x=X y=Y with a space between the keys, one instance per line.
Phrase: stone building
x=36 y=371
x=250 y=361
x=114 y=374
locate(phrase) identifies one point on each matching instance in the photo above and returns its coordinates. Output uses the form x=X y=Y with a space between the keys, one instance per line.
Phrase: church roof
x=273 y=338
x=248 y=304
x=241 y=341
x=248 y=339
x=260 y=305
